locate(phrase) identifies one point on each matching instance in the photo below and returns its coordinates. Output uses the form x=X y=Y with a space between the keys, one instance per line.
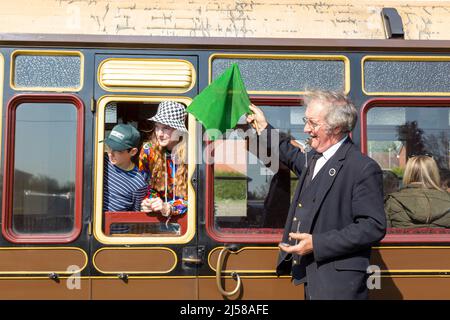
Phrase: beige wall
x=224 y=18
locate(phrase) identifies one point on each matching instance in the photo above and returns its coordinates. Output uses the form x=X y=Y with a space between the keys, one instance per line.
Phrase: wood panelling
x=408 y=258
x=41 y=260
x=252 y=289
x=246 y=259
x=43 y=289
x=135 y=260
x=145 y=289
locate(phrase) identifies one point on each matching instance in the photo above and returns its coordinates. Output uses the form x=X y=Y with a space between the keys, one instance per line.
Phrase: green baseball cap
x=123 y=137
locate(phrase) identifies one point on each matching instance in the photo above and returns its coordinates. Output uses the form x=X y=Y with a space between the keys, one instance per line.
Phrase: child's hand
x=156 y=204
x=145 y=205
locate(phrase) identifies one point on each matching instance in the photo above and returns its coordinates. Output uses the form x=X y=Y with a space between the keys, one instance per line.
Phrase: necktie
x=310 y=172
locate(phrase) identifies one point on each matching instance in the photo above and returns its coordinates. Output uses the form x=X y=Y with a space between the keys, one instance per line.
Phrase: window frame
x=406 y=103
x=273 y=56
x=8 y=171
x=59 y=53
x=401 y=58
x=209 y=188
x=98 y=217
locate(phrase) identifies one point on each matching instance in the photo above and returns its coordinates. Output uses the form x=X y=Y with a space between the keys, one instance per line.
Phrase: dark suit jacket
x=345 y=216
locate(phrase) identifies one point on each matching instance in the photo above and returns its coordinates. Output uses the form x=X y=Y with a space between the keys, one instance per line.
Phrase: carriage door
x=138 y=255
x=248 y=190
x=248 y=195
x=44 y=241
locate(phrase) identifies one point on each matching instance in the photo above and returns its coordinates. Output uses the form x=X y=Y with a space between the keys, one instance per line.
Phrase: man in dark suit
x=337 y=212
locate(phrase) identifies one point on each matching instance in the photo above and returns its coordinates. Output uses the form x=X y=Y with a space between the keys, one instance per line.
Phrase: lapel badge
x=332 y=172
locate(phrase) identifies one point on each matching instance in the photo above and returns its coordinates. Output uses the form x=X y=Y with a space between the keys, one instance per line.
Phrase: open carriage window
x=43 y=169
x=395 y=131
x=248 y=192
x=130 y=174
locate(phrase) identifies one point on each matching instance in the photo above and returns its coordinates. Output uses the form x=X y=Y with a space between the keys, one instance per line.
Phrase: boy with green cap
x=124 y=186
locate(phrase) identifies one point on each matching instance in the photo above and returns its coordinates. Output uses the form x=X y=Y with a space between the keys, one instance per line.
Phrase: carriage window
x=252 y=195
x=406 y=75
x=46 y=70
x=123 y=220
x=43 y=192
x=286 y=73
x=394 y=134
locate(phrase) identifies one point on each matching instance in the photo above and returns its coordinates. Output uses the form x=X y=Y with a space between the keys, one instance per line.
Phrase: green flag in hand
x=220 y=105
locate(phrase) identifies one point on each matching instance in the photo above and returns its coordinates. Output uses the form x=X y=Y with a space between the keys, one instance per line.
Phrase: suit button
x=295 y=218
x=294 y=262
x=299 y=205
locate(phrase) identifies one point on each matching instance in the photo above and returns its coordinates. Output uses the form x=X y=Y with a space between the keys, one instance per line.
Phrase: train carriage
x=61 y=95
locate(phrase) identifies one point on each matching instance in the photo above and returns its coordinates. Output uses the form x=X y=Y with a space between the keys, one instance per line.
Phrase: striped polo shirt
x=122 y=190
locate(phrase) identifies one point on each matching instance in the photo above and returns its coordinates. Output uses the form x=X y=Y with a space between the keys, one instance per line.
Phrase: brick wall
x=223 y=18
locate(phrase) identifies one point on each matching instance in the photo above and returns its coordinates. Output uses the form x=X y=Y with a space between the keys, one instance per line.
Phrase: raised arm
x=285 y=151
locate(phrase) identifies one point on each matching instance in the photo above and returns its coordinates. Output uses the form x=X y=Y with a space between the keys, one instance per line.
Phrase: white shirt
x=326 y=155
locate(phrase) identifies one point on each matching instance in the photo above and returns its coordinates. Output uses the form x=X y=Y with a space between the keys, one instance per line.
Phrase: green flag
x=220 y=105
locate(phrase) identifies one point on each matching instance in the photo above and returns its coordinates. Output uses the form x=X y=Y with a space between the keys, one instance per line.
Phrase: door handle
x=235 y=275
x=193 y=255
x=192 y=260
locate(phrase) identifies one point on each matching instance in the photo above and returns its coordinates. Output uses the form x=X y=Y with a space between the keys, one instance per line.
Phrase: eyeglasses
x=312 y=124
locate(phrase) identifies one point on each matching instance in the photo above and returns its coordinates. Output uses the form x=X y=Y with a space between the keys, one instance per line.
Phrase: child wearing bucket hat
x=162 y=161
x=124 y=185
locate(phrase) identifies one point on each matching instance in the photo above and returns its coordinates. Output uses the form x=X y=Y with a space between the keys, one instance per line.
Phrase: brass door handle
x=192 y=260
x=219 y=272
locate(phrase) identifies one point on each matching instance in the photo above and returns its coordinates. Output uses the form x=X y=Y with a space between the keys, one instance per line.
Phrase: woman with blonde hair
x=421 y=202
x=163 y=161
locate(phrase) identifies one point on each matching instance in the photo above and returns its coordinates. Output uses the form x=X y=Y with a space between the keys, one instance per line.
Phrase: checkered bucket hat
x=172 y=114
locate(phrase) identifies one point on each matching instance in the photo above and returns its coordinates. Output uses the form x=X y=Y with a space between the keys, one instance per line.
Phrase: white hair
x=340 y=111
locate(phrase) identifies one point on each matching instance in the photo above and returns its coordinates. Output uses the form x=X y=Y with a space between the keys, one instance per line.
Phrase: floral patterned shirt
x=146 y=163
